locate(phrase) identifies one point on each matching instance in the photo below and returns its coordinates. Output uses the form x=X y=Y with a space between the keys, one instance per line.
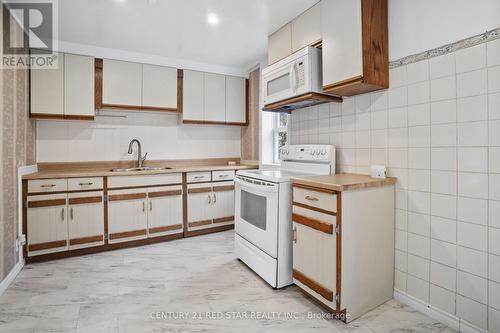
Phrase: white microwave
x=293 y=76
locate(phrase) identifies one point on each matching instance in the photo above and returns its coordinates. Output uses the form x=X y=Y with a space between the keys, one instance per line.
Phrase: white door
x=256 y=213
x=47 y=91
x=342 y=40
x=165 y=211
x=200 y=208
x=223 y=203
x=280 y=44
x=215 y=97
x=47 y=224
x=235 y=99
x=79 y=85
x=193 y=92
x=121 y=83
x=127 y=215
x=85 y=219
x=306 y=28
x=159 y=87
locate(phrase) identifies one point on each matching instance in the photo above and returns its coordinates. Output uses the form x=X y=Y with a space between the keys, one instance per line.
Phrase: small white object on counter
x=378 y=171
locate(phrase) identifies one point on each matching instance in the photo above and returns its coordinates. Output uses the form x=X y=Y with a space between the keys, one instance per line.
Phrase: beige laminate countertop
x=101 y=172
x=343 y=181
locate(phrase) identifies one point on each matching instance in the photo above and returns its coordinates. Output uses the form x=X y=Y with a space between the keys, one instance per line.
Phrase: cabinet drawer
x=82 y=184
x=223 y=175
x=199 y=177
x=47 y=185
x=315 y=199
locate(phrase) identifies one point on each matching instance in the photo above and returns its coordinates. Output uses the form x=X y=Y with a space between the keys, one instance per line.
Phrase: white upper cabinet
x=79 y=85
x=280 y=44
x=159 y=87
x=193 y=92
x=215 y=97
x=306 y=28
x=121 y=83
x=235 y=99
x=47 y=90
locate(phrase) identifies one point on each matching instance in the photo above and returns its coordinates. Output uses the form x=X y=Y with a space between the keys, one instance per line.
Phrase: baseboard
x=450 y=320
x=11 y=276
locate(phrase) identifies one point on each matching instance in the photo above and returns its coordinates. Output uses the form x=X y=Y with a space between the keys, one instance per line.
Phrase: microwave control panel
x=301 y=73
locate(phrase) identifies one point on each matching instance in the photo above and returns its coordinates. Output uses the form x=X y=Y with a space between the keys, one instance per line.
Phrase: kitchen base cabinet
x=85 y=219
x=343 y=253
x=223 y=203
x=127 y=215
x=164 y=211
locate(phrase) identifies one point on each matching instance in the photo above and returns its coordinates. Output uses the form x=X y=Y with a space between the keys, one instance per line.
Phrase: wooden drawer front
x=322 y=201
x=199 y=177
x=47 y=185
x=144 y=180
x=83 y=184
x=223 y=175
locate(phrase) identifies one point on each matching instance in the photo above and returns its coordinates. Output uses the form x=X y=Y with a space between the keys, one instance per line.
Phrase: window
x=280 y=133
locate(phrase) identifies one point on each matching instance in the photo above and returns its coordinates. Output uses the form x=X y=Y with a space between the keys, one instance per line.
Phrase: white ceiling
x=178 y=29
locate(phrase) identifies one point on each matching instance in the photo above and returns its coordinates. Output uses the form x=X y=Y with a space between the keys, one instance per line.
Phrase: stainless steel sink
x=139 y=169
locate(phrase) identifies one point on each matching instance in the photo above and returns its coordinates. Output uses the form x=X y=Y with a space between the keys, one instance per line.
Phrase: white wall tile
x=363 y=139
x=442 y=66
x=398 y=76
x=379 y=156
x=494 y=79
x=494 y=106
x=472 y=261
x=472 y=236
x=444 y=206
x=444 y=112
x=398 y=157
x=401 y=199
x=363 y=121
x=494 y=241
x=379 y=101
x=444 y=135
x=418 y=93
x=419 y=136
x=348 y=139
x=474 y=108
x=379 y=138
x=494 y=267
x=472 y=83
x=379 y=120
x=419 y=202
x=400 y=260
x=472 y=210
x=418 y=266
x=418 y=288
x=444 y=229
x=444 y=159
x=494 y=159
x=493 y=320
x=495 y=186
x=473 y=287
x=400 y=280
x=494 y=295
x=401 y=219
x=419 y=114
x=348 y=106
x=471 y=58
x=443 y=276
x=444 y=253
x=401 y=240
x=398 y=97
x=472 y=311
x=494 y=214
x=398 y=117
x=494 y=129
x=493 y=54
x=473 y=134
x=444 y=182
x=419 y=224
x=442 y=299
x=443 y=88
x=418 y=71
x=420 y=158
x=473 y=185
x=402 y=177
x=473 y=159
x=419 y=180
x=398 y=137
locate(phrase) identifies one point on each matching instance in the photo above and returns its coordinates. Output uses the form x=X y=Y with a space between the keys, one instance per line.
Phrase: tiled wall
x=438 y=130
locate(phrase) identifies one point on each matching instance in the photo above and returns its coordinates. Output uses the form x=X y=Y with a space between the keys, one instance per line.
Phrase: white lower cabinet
x=85 y=219
x=223 y=203
x=127 y=215
x=164 y=211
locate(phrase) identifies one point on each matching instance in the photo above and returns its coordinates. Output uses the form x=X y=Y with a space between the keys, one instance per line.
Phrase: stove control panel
x=311 y=153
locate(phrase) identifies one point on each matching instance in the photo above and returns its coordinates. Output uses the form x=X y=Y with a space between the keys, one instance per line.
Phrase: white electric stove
x=263 y=210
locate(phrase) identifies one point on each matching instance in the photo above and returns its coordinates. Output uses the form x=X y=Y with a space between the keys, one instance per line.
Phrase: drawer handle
x=85 y=184
x=71 y=213
x=199 y=177
x=62 y=214
x=223 y=176
x=48 y=185
x=294 y=235
x=311 y=198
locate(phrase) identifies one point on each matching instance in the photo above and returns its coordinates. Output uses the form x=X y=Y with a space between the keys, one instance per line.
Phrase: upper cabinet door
x=193 y=100
x=342 y=40
x=306 y=28
x=79 y=85
x=235 y=99
x=280 y=44
x=159 y=87
x=121 y=83
x=47 y=92
x=215 y=97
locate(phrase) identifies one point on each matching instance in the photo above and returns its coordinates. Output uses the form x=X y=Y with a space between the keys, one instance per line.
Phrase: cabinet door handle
x=85 y=184
x=311 y=198
x=294 y=235
x=143 y=206
x=209 y=199
x=199 y=177
x=62 y=214
x=48 y=185
x=71 y=213
x=150 y=205
x=223 y=176
x=215 y=198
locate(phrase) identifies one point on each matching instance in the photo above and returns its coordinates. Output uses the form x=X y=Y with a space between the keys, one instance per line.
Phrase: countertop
x=343 y=181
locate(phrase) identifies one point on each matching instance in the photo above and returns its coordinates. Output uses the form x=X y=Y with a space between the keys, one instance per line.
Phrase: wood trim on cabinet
x=310 y=283
x=316 y=97
x=164 y=193
x=47 y=245
x=223 y=188
x=84 y=200
x=339 y=250
x=339 y=315
x=199 y=190
x=180 y=90
x=136 y=108
x=317 y=189
x=98 y=65
x=199 y=223
x=138 y=187
x=165 y=228
x=86 y=240
x=312 y=223
x=247 y=102
x=46 y=203
x=184 y=203
x=333 y=86
x=106 y=228
x=204 y=122
x=131 y=196
x=126 y=234
x=48 y=116
x=25 y=213
x=316 y=209
x=223 y=219
x=210 y=230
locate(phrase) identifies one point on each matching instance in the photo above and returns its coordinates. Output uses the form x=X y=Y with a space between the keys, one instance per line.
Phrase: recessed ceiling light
x=212 y=19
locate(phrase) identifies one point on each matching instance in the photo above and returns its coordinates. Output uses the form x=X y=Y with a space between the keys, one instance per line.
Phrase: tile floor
x=151 y=288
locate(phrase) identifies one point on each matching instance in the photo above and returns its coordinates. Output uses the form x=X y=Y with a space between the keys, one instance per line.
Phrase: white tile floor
x=135 y=290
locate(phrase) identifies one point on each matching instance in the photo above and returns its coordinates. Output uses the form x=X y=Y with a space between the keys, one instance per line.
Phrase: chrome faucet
x=140 y=158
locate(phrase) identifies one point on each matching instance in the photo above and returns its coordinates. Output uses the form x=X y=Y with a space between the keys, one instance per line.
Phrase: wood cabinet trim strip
x=199 y=190
x=317 y=189
x=203 y=122
x=47 y=245
x=84 y=200
x=323 y=98
x=223 y=188
x=137 y=187
x=199 y=223
x=224 y=219
x=310 y=283
x=46 y=203
x=137 y=108
x=351 y=81
x=339 y=250
x=164 y=193
x=131 y=196
x=165 y=228
x=319 y=210
x=127 y=234
x=312 y=223
x=86 y=240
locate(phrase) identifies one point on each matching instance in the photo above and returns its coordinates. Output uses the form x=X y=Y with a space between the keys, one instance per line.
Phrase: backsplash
x=438 y=130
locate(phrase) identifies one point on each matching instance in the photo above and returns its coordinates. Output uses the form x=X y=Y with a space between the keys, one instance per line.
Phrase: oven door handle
x=261 y=188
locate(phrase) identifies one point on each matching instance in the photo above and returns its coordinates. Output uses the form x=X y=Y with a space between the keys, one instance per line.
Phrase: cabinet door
x=223 y=203
x=79 y=85
x=199 y=202
x=127 y=215
x=47 y=90
x=121 y=83
x=47 y=224
x=159 y=87
x=235 y=99
x=165 y=211
x=85 y=219
x=342 y=40
x=193 y=100
x=215 y=97
x=279 y=44
x=306 y=28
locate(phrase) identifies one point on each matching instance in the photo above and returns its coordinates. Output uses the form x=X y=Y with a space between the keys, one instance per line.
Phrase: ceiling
x=178 y=28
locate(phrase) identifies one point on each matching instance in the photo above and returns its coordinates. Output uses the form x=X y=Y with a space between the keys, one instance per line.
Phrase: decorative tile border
x=452 y=47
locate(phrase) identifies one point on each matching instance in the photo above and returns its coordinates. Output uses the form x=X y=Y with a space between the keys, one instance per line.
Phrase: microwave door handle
x=291 y=74
x=295 y=77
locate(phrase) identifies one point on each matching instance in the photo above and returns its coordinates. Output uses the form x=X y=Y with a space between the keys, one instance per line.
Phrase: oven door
x=256 y=213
